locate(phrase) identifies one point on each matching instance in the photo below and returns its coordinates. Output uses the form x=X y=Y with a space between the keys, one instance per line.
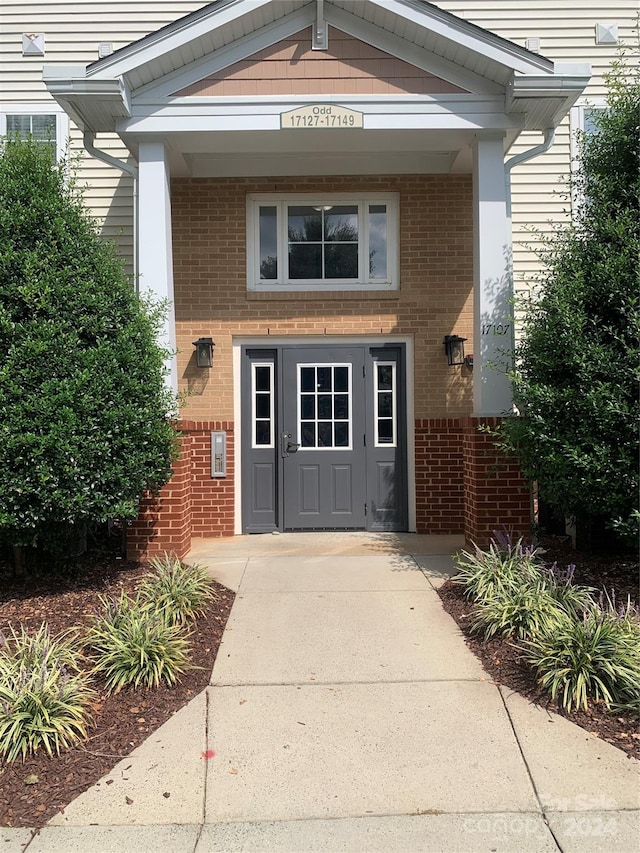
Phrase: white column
x=155 y=248
x=492 y=280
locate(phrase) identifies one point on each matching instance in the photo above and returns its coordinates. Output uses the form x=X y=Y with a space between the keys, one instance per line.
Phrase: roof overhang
x=133 y=91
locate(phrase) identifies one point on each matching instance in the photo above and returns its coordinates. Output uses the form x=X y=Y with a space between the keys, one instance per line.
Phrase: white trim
x=317 y=419
x=394 y=403
x=457 y=31
x=175 y=36
x=254 y=419
x=226 y=56
x=576 y=124
x=49 y=108
x=271 y=341
x=281 y=201
x=415 y=55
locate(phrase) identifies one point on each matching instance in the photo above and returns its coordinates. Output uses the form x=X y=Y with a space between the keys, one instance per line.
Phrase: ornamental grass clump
x=178 y=591
x=44 y=697
x=523 y=611
x=596 y=656
x=132 y=645
x=504 y=566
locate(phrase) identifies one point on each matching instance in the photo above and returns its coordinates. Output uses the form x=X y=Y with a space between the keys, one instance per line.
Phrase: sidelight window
x=385 y=414
x=262 y=405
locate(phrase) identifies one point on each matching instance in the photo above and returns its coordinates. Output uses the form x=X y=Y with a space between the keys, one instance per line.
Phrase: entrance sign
x=321 y=116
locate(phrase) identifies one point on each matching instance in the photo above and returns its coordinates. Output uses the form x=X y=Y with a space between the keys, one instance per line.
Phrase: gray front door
x=324 y=438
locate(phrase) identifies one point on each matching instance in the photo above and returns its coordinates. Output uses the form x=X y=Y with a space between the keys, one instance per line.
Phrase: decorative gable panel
x=291 y=67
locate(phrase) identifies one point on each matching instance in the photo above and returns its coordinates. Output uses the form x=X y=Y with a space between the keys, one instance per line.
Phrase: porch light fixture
x=204 y=352
x=454 y=348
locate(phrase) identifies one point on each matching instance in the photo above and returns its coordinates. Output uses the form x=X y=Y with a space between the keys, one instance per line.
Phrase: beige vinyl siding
x=566 y=29
x=73 y=31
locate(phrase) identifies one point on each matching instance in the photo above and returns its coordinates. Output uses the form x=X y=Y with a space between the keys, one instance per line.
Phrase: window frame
x=577 y=124
x=281 y=201
x=27 y=109
x=316 y=420
x=254 y=415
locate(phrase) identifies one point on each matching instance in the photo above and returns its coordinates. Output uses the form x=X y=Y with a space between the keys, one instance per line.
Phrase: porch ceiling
x=262 y=153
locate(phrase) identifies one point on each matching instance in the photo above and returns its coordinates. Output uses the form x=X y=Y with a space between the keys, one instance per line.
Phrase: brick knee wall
x=463 y=482
x=496 y=496
x=164 y=522
x=439 y=483
x=212 y=498
x=192 y=502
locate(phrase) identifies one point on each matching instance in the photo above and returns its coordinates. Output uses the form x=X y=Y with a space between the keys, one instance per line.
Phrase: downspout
x=88 y=138
x=545 y=145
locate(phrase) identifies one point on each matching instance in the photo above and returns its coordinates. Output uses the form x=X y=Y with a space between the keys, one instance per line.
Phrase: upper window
x=45 y=123
x=335 y=242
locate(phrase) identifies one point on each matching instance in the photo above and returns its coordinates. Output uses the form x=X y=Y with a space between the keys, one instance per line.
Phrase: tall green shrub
x=84 y=430
x=578 y=366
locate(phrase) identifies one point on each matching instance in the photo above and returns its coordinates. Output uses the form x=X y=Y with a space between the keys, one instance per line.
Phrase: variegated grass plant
x=504 y=566
x=133 y=645
x=596 y=656
x=44 y=697
x=178 y=591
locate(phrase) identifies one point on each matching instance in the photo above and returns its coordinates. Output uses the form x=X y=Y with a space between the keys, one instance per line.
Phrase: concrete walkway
x=345 y=713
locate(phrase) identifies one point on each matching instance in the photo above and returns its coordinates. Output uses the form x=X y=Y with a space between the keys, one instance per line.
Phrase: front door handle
x=287 y=445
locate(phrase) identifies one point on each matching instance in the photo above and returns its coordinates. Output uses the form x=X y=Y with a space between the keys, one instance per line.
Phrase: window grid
x=385 y=410
x=41 y=120
x=324 y=407
x=376 y=245
x=262 y=406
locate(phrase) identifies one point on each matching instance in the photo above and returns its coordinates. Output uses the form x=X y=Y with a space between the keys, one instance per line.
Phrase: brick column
x=496 y=496
x=164 y=522
x=439 y=484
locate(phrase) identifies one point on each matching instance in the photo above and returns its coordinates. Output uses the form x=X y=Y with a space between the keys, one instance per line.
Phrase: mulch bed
x=503 y=660
x=33 y=791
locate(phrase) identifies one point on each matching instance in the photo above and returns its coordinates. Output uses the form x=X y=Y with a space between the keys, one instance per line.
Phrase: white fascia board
x=63 y=72
x=174 y=37
x=206 y=123
x=457 y=31
x=413 y=54
x=227 y=55
x=275 y=104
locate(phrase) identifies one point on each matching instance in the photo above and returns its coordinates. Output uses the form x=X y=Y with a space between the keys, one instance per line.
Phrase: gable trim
x=238 y=50
x=173 y=36
x=411 y=53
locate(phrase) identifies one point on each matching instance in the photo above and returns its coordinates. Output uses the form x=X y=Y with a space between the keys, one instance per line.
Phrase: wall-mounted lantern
x=204 y=352
x=454 y=348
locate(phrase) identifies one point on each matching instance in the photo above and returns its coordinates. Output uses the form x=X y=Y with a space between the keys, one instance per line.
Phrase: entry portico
x=393 y=113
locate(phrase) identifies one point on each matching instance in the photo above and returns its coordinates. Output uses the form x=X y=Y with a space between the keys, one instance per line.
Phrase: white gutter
x=88 y=138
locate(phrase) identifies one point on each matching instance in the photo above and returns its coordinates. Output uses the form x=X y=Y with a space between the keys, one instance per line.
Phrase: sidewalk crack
x=528 y=769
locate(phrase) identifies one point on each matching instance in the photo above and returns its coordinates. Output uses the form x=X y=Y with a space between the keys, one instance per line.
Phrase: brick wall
x=439 y=481
x=212 y=498
x=461 y=480
x=435 y=296
x=164 y=522
x=192 y=503
x=496 y=495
